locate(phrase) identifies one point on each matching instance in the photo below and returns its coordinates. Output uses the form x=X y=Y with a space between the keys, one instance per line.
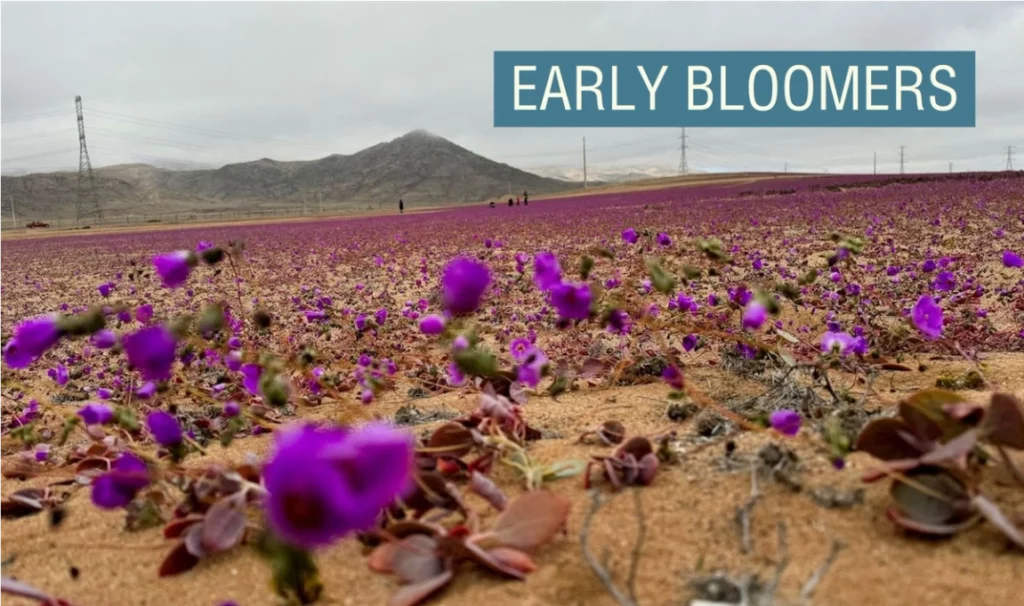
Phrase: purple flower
x=105 y=289
x=432 y=325
x=630 y=236
x=754 y=315
x=837 y=342
x=103 y=393
x=251 y=377
x=927 y=317
x=151 y=351
x=361 y=322
x=519 y=348
x=174 y=267
x=59 y=374
x=1012 y=259
x=231 y=409
x=531 y=367
x=165 y=428
x=30 y=340
x=944 y=281
x=786 y=422
x=96 y=414
x=690 y=342
x=313 y=316
x=233 y=360
x=673 y=376
x=104 y=339
x=546 y=271
x=618 y=322
x=459 y=343
x=323 y=484
x=571 y=300
x=203 y=245
x=146 y=391
x=455 y=376
x=118 y=487
x=464 y=283
x=664 y=240
x=928 y=266
x=381 y=316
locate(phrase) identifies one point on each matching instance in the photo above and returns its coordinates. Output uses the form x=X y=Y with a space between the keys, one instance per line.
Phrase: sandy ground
x=689 y=514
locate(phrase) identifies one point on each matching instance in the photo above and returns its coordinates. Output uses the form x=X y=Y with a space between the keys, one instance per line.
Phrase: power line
x=34 y=116
x=902 y=147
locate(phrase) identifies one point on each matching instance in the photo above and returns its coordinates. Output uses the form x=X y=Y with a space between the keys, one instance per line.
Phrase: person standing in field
x=517 y=200
x=401 y=207
x=510 y=202
x=526 y=198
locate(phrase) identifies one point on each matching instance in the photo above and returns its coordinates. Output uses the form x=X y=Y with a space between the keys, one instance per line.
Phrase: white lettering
x=590 y=88
x=556 y=72
x=521 y=87
x=901 y=88
x=652 y=89
x=873 y=87
x=615 y=91
x=828 y=81
x=725 y=96
x=941 y=86
x=705 y=86
x=775 y=87
x=810 y=88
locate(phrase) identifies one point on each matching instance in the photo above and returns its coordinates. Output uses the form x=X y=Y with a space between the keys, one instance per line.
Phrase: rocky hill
x=421 y=168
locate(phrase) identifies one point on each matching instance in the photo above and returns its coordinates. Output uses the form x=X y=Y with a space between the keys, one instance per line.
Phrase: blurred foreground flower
x=324 y=483
x=31 y=339
x=464 y=284
x=174 y=267
x=151 y=351
x=118 y=487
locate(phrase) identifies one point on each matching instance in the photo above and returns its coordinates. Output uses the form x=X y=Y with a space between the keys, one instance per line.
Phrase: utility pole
x=785 y=167
x=902 y=147
x=951 y=168
x=874 y=163
x=683 y=168
x=84 y=170
x=584 y=163
x=14 y=218
x=1009 y=157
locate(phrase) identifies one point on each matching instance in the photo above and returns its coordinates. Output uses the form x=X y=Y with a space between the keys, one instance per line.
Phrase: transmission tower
x=683 y=167
x=1009 y=157
x=84 y=172
x=902 y=147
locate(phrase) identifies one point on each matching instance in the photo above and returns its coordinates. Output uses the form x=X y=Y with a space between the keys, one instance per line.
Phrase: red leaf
x=485 y=559
x=998 y=519
x=454 y=438
x=513 y=558
x=1005 y=421
x=491 y=492
x=882 y=439
x=415 y=559
x=178 y=561
x=924 y=527
x=382 y=559
x=224 y=524
x=531 y=520
x=413 y=594
x=175 y=528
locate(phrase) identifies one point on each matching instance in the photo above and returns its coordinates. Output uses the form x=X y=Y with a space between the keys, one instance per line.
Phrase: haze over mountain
x=421 y=168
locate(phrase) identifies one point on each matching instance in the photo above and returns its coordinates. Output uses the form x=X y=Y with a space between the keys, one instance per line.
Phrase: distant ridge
x=420 y=167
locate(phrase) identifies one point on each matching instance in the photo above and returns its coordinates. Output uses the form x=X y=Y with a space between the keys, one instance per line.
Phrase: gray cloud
x=215 y=83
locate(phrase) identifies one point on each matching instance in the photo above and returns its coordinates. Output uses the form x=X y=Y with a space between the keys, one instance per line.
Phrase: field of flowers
x=800 y=383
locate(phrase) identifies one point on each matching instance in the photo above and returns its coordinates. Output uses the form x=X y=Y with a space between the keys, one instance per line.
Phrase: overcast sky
x=216 y=83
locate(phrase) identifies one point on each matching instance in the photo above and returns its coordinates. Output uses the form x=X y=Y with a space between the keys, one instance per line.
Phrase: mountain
x=421 y=168
x=609 y=174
